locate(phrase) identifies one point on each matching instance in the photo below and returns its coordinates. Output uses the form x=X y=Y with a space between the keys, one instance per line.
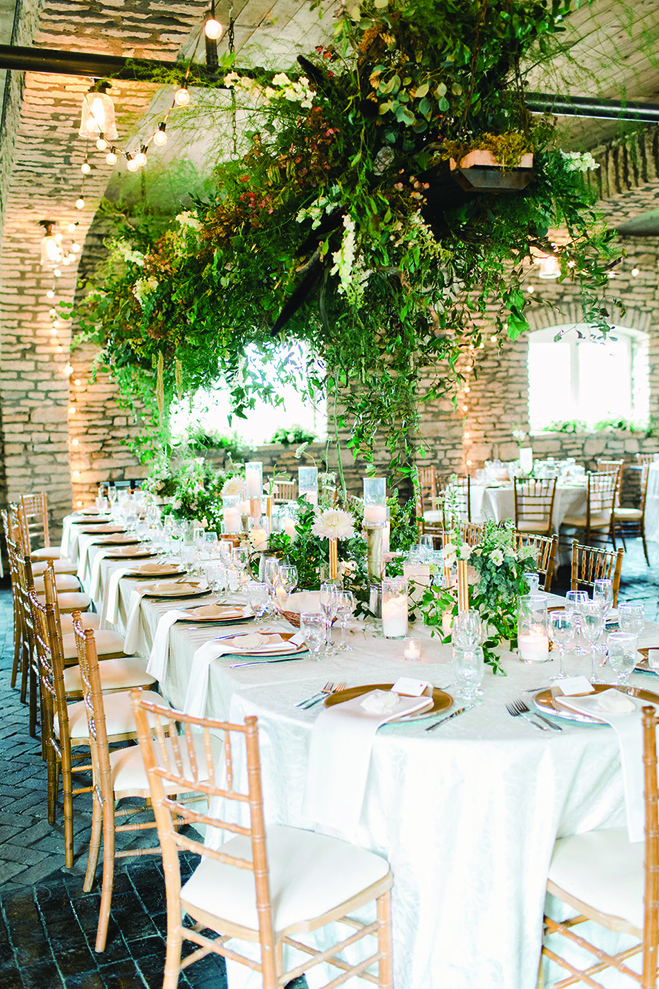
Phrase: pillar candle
x=253 y=481
x=394 y=617
x=232 y=519
x=375 y=514
x=534 y=646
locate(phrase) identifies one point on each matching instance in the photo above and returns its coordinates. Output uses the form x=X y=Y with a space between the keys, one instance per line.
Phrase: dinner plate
x=544 y=702
x=220 y=613
x=101 y=527
x=93 y=520
x=441 y=700
x=117 y=539
x=285 y=650
x=131 y=552
x=167 y=589
x=152 y=569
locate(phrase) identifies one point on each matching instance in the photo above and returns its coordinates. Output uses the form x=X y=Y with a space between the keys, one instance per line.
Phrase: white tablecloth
x=652 y=505
x=499 y=503
x=467 y=815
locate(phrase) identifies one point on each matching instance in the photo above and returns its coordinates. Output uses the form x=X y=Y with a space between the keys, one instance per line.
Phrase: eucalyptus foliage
x=338 y=245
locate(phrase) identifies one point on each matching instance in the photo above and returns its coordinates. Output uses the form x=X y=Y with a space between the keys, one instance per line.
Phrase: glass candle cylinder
x=254 y=479
x=394 y=607
x=532 y=629
x=231 y=512
x=258 y=533
x=375 y=502
x=307 y=481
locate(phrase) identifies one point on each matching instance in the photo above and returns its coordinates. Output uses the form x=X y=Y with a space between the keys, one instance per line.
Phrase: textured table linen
x=467 y=815
x=652 y=505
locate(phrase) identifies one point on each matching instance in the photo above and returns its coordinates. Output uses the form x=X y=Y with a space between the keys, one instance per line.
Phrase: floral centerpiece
x=308 y=548
x=194 y=489
x=499 y=569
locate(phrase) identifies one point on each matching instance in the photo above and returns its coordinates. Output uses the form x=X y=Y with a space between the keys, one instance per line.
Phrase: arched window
x=577 y=378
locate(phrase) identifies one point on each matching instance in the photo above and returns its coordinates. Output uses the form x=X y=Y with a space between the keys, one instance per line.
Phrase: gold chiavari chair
x=534 y=505
x=600 y=507
x=426 y=490
x=117 y=774
x=613 y=882
x=546 y=547
x=590 y=564
x=248 y=890
x=10 y=542
x=630 y=522
x=64 y=725
x=471 y=533
x=612 y=467
x=645 y=458
x=34 y=517
x=284 y=491
x=457 y=499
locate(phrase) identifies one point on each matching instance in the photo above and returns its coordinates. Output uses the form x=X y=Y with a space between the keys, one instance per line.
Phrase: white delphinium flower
x=333 y=524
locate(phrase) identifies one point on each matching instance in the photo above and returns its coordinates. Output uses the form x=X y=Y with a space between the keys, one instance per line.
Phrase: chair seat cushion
x=46 y=553
x=70 y=601
x=628 y=514
x=540 y=526
x=116 y=674
x=579 y=521
x=107 y=643
x=433 y=516
x=119 y=718
x=602 y=869
x=63 y=582
x=89 y=620
x=129 y=775
x=309 y=874
x=63 y=565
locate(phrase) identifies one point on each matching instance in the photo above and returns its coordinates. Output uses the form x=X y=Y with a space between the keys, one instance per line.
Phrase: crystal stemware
x=258 y=596
x=574 y=603
x=345 y=607
x=312 y=626
x=560 y=633
x=603 y=592
x=592 y=628
x=329 y=603
x=622 y=655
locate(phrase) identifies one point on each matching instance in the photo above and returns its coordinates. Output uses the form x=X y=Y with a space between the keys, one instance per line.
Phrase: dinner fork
x=518 y=708
x=327 y=689
x=324 y=692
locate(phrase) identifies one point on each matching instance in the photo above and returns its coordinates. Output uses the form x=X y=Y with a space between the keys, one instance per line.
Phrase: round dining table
x=497 y=502
x=466 y=814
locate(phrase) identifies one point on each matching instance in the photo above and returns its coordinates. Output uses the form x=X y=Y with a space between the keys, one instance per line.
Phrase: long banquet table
x=467 y=815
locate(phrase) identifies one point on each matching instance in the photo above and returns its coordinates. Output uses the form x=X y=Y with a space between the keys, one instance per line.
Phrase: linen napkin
x=623 y=713
x=110 y=614
x=340 y=754
x=66 y=537
x=85 y=543
x=159 y=657
x=131 y=640
x=204 y=657
x=95 y=581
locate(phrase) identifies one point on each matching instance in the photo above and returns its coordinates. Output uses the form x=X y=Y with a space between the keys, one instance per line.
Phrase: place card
x=409 y=687
x=572 y=686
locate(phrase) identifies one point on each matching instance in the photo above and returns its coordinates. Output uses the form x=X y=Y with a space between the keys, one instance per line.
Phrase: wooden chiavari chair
x=612 y=467
x=534 y=505
x=547 y=548
x=590 y=564
x=600 y=507
x=426 y=490
x=613 y=882
x=117 y=774
x=471 y=533
x=645 y=458
x=630 y=522
x=10 y=538
x=64 y=725
x=34 y=517
x=457 y=499
x=284 y=491
x=246 y=890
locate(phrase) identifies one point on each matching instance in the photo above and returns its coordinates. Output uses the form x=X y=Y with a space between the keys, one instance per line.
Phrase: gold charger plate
x=183 y=590
x=544 y=702
x=219 y=613
x=102 y=527
x=95 y=521
x=117 y=539
x=131 y=552
x=441 y=700
x=286 y=650
x=152 y=569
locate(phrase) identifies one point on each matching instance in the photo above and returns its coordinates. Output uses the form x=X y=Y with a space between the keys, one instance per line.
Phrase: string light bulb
x=51 y=244
x=140 y=157
x=72 y=226
x=111 y=157
x=212 y=28
x=160 y=136
x=131 y=164
x=80 y=203
x=182 y=96
x=57 y=273
x=635 y=272
x=98 y=120
x=101 y=144
x=75 y=247
x=85 y=168
x=50 y=294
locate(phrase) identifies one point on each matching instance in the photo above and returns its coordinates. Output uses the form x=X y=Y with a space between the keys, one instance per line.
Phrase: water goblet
x=345 y=607
x=631 y=617
x=328 y=602
x=533 y=582
x=212 y=544
x=467 y=628
x=216 y=575
x=468 y=668
x=226 y=549
x=622 y=655
x=112 y=495
x=574 y=602
x=603 y=592
x=592 y=628
x=312 y=626
x=258 y=596
x=288 y=577
x=560 y=633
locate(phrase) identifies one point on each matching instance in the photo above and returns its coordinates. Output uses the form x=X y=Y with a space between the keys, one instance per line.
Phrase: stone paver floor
x=47 y=922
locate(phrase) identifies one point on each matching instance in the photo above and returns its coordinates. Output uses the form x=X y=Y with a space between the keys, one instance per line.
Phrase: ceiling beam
x=99 y=66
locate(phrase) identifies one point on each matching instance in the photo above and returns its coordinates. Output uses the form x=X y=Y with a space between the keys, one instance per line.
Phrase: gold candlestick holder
x=463 y=586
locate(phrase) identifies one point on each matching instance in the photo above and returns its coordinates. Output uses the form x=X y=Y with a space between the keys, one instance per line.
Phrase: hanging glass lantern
x=51 y=245
x=549 y=267
x=97 y=117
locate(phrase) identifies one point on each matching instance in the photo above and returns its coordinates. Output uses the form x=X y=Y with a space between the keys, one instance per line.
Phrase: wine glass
x=258 y=595
x=603 y=592
x=622 y=655
x=345 y=607
x=216 y=575
x=468 y=661
x=288 y=577
x=112 y=496
x=467 y=628
x=592 y=627
x=329 y=602
x=574 y=603
x=212 y=544
x=631 y=617
x=560 y=633
x=312 y=626
x=226 y=549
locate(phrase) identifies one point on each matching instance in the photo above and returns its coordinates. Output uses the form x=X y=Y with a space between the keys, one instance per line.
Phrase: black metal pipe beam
x=580 y=106
x=150 y=70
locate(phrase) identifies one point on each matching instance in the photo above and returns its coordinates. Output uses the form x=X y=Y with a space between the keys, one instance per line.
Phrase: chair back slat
x=471 y=533
x=92 y=694
x=601 y=493
x=174 y=765
x=590 y=564
x=547 y=548
x=426 y=489
x=534 y=503
x=34 y=516
x=457 y=499
x=645 y=458
x=284 y=491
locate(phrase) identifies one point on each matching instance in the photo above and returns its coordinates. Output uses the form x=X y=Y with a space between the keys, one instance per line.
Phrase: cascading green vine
x=338 y=245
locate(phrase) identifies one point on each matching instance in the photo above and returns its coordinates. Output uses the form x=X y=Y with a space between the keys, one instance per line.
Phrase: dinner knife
x=264 y=662
x=460 y=710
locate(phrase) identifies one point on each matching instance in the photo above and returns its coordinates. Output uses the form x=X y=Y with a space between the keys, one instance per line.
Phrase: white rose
x=465 y=552
x=497 y=557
